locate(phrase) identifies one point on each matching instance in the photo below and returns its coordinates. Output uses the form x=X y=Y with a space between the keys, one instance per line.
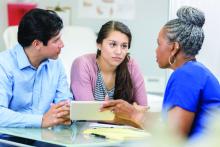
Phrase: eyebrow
x=57 y=37
x=116 y=41
x=111 y=40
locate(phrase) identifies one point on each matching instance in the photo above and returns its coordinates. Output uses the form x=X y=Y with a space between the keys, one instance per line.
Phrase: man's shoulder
x=7 y=63
x=55 y=64
x=6 y=58
x=5 y=53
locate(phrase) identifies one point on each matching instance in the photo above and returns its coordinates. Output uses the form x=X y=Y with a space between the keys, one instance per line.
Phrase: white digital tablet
x=89 y=110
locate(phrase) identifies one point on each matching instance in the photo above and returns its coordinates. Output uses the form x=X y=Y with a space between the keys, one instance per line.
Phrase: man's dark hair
x=38 y=24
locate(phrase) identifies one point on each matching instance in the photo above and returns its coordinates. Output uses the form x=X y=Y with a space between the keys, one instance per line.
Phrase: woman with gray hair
x=192 y=92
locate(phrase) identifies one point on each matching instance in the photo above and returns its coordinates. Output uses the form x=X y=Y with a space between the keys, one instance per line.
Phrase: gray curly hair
x=187 y=30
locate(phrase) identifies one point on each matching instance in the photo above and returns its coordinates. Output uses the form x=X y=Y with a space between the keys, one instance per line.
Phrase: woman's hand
x=125 y=112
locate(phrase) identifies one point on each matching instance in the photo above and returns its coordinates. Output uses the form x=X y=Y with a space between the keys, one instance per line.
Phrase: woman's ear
x=175 y=48
x=98 y=46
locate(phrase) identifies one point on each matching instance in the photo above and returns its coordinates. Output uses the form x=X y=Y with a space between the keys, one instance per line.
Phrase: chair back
x=77 y=40
x=10 y=36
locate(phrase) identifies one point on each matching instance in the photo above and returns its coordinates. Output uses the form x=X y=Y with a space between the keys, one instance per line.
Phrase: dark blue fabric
x=193 y=88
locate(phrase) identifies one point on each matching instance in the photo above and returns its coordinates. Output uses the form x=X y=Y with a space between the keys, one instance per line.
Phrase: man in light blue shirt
x=33 y=87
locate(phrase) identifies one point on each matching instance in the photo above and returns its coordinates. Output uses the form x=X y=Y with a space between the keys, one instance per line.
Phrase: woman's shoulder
x=133 y=66
x=132 y=63
x=86 y=59
x=85 y=63
x=192 y=68
x=192 y=71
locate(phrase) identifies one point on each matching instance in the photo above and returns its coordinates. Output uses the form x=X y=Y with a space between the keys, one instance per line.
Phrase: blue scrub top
x=193 y=88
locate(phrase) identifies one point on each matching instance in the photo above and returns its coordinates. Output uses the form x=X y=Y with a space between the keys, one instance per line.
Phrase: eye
x=112 y=44
x=56 y=40
x=124 y=46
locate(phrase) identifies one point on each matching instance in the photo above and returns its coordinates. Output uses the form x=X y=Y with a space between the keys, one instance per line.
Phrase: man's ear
x=37 y=44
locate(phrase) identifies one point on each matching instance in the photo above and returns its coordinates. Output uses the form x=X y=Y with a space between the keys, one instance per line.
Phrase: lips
x=156 y=59
x=117 y=58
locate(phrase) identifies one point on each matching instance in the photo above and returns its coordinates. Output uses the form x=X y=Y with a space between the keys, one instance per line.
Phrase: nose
x=118 y=49
x=61 y=44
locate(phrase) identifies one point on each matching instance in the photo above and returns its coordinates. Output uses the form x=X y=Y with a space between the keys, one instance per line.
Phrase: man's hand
x=58 y=114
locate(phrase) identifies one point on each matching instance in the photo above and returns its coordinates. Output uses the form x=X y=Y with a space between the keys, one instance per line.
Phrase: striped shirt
x=101 y=90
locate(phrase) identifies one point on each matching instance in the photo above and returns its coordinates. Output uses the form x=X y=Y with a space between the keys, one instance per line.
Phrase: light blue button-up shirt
x=26 y=92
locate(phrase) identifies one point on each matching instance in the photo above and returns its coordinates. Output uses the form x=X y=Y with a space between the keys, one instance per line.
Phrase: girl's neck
x=105 y=67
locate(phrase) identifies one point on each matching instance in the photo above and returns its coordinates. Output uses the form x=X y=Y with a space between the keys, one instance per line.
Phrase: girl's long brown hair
x=123 y=82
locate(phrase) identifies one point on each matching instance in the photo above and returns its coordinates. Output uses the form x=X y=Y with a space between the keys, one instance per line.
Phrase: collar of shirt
x=22 y=59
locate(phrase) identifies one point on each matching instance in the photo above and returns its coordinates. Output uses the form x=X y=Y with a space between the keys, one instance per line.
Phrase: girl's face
x=114 y=48
x=163 y=50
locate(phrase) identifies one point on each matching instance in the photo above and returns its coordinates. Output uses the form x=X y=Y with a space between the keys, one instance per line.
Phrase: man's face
x=53 y=47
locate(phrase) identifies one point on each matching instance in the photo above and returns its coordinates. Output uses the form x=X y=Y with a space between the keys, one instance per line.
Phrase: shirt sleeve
x=10 y=118
x=139 y=90
x=182 y=91
x=63 y=90
x=81 y=84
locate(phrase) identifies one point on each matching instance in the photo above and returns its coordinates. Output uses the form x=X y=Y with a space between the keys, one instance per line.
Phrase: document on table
x=116 y=132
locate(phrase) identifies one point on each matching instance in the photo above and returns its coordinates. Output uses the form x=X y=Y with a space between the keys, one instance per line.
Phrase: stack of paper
x=118 y=133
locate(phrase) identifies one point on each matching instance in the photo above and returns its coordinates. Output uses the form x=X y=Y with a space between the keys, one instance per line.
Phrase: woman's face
x=163 y=50
x=114 y=48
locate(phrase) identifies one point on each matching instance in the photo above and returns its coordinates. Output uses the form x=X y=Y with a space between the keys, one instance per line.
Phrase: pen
x=98 y=135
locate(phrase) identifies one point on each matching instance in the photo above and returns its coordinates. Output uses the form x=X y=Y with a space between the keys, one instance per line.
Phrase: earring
x=169 y=60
